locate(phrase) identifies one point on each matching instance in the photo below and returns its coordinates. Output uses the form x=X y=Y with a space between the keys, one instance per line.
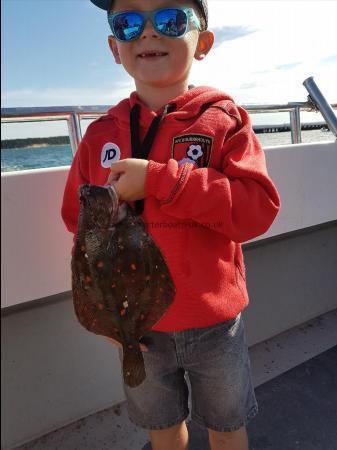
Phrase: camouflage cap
x=202 y=4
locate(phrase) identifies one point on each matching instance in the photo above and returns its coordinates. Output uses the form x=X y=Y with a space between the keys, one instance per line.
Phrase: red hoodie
x=207 y=190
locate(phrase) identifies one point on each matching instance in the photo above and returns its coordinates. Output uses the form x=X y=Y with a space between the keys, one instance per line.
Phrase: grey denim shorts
x=207 y=369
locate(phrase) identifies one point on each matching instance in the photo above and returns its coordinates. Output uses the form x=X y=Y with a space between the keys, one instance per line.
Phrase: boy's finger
x=112 y=341
x=113 y=177
x=118 y=166
x=117 y=188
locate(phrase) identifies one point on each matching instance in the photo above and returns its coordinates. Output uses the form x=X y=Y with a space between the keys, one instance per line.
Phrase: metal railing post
x=318 y=99
x=75 y=134
x=295 y=125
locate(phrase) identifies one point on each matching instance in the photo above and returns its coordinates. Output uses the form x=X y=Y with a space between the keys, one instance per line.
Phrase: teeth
x=143 y=55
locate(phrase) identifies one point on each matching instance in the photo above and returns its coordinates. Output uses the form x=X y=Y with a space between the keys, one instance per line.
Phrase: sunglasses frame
x=150 y=15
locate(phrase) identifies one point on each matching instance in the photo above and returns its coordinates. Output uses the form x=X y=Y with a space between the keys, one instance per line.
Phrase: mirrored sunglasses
x=127 y=26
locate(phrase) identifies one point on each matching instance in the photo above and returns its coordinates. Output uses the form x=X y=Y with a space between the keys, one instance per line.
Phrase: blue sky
x=59 y=44
x=55 y=52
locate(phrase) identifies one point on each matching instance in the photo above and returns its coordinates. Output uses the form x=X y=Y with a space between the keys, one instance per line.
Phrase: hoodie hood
x=184 y=107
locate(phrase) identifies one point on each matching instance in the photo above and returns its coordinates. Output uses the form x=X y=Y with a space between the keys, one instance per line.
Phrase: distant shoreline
x=64 y=140
x=34 y=142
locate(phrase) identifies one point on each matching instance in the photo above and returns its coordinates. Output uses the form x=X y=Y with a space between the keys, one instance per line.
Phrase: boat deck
x=294 y=375
x=298 y=410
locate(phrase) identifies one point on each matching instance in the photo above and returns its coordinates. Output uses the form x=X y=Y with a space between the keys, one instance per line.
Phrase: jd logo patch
x=192 y=148
x=110 y=153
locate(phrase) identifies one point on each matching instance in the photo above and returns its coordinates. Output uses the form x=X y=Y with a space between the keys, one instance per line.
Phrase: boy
x=190 y=162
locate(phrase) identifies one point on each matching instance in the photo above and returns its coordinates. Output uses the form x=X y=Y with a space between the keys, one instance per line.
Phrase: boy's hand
x=128 y=177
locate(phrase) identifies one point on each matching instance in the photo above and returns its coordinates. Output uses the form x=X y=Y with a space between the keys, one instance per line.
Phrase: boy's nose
x=149 y=30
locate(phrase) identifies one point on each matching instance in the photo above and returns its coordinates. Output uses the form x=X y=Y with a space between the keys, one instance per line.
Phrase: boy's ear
x=205 y=43
x=114 y=49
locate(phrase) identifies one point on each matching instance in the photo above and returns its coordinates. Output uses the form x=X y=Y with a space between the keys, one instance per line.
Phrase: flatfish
x=120 y=281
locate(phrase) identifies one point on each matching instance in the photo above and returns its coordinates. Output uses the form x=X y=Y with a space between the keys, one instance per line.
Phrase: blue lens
x=171 y=22
x=127 y=26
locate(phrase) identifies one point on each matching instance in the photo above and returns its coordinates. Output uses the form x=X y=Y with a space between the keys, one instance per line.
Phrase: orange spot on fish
x=123 y=312
x=133 y=266
x=100 y=264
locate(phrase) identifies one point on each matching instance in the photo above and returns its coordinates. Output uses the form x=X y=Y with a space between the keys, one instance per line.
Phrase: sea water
x=14 y=159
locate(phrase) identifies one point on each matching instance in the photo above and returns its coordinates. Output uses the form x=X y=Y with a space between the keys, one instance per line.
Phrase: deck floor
x=297 y=408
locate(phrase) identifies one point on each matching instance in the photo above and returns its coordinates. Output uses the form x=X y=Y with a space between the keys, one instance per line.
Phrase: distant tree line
x=29 y=142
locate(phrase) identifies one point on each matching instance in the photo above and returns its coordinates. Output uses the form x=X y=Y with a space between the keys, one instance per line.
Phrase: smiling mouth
x=150 y=55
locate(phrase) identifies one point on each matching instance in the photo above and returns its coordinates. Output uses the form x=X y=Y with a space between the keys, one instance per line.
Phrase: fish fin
x=133 y=367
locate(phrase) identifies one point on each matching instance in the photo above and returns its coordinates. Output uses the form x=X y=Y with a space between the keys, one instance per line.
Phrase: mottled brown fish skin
x=120 y=281
x=133 y=367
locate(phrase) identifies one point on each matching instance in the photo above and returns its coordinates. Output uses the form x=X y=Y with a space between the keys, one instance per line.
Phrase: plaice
x=121 y=284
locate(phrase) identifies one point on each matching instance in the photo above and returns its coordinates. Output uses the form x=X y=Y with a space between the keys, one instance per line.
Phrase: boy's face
x=175 y=63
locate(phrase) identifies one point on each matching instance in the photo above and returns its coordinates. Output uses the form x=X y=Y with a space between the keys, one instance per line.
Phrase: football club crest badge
x=192 y=148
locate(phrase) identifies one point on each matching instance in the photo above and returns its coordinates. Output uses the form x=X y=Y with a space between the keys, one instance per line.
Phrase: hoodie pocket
x=240 y=272
x=241 y=269
x=241 y=280
x=239 y=263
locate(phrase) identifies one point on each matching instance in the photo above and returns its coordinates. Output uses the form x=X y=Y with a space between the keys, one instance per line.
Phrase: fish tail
x=133 y=367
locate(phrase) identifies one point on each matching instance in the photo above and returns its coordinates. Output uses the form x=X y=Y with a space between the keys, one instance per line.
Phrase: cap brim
x=103 y=4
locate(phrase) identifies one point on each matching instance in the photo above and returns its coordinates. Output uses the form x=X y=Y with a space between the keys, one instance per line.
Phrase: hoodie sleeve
x=240 y=202
x=77 y=176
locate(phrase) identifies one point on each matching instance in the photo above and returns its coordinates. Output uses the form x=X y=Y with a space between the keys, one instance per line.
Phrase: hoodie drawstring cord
x=142 y=150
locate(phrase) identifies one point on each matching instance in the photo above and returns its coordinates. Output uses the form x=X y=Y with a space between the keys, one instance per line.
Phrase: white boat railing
x=74 y=114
